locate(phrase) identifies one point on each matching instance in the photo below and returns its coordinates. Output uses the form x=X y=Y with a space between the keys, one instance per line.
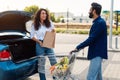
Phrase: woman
x=38 y=30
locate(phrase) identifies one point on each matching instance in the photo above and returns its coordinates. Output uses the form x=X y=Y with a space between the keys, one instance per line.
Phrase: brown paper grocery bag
x=49 y=39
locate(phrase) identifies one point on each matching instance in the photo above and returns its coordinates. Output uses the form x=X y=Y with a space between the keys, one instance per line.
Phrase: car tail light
x=5 y=55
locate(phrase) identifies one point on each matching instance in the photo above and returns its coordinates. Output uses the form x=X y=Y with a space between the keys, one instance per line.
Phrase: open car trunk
x=21 y=48
x=13 y=33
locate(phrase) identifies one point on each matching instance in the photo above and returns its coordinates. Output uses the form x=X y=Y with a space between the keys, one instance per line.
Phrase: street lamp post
x=111 y=23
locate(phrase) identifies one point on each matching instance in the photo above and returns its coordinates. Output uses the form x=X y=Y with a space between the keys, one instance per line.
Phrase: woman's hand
x=38 y=41
x=53 y=30
x=41 y=44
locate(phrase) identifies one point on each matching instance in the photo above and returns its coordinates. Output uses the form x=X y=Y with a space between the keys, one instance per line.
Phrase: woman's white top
x=40 y=33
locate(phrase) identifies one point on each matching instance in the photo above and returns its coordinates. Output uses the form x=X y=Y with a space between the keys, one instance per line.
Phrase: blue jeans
x=95 y=71
x=41 y=52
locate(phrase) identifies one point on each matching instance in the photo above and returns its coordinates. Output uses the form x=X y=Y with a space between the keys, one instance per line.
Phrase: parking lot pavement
x=111 y=68
x=65 y=43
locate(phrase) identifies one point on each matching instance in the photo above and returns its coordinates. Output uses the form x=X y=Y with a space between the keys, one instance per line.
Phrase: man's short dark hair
x=97 y=7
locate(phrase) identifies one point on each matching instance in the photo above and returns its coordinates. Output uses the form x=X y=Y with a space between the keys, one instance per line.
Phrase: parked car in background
x=17 y=50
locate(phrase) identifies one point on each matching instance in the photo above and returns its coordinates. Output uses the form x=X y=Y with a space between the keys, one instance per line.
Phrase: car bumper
x=12 y=71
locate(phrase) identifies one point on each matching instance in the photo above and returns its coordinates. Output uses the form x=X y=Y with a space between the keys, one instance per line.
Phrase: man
x=97 y=42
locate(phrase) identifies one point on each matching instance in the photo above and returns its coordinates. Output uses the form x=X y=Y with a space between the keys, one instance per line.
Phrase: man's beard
x=90 y=15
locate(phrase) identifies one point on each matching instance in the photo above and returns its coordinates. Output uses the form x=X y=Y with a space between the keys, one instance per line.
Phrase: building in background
x=68 y=16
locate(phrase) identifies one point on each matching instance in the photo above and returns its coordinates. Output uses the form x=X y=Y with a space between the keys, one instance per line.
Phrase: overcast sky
x=77 y=7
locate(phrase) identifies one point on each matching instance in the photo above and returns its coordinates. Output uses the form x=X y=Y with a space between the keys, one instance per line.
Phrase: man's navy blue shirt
x=97 y=40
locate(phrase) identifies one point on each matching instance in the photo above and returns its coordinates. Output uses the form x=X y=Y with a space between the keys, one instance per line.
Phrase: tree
x=52 y=17
x=32 y=9
x=59 y=19
x=117 y=16
x=107 y=14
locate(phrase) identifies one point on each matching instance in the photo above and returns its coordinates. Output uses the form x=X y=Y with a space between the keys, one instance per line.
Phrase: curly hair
x=37 y=19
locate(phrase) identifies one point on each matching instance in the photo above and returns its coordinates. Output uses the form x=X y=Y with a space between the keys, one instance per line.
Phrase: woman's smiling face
x=43 y=15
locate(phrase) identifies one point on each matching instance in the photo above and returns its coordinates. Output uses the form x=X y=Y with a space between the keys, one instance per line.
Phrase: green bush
x=114 y=32
x=83 y=31
x=60 y=30
x=71 y=31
